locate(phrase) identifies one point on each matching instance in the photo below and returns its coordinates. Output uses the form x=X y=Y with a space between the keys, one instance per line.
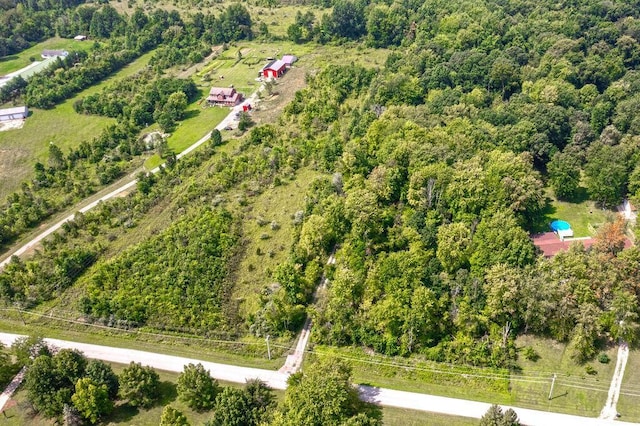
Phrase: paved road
x=229 y=120
x=277 y=380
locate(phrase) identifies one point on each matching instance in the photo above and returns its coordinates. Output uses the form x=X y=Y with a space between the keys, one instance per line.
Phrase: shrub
x=530 y=354
x=603 y=358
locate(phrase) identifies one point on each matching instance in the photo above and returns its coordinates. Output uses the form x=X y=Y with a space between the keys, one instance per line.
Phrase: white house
x=54 y=53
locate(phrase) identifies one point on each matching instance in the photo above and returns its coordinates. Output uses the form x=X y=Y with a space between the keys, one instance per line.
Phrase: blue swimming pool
x=559 y=225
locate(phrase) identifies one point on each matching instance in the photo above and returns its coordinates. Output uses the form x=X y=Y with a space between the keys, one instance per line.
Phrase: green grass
x=277 y=204
x=200 y=121
x=191 y=348
x=392 y=416
x=568 y=396
x=20 y=149
x=628 y=404
x=582 y=214
x=11 y=63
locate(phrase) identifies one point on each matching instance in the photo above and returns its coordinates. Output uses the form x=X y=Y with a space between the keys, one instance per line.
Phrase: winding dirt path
x=610 y=412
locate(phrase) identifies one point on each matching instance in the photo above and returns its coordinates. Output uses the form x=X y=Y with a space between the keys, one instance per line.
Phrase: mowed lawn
x=21 y=148
x=11 y=63
x=584 y=217
x=576 y=390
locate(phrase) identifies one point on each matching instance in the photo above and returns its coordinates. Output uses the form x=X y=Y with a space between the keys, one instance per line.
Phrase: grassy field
x=170 y=345
x=583 y=215
x=277 y=18
x=200 y=121
x=9 y=64
x=630 y=390
x=392 y=416
x=265 y=247
x=20 y=149
x=575 y=391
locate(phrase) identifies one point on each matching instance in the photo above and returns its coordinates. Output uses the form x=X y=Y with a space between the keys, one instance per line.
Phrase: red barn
x=274 y=69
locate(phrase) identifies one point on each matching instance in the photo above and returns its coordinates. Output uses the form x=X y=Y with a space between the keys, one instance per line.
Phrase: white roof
x=14 y=110
x=564 y=233
x=276 y=65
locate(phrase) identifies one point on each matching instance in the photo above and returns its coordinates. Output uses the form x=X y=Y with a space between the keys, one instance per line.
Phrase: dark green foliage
x=244 y=121
x=192 y=255
x=231 y=408
x=216 y=138
x=102 y=374
x=50 y=381
x=197 y=388
x=251 y=406
x=139 y=385
x=564 y=175
x=496 y=417
x=323 y=395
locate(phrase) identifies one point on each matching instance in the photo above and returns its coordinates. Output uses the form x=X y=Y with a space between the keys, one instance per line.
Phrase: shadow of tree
x=541 y=222
x=124 y=413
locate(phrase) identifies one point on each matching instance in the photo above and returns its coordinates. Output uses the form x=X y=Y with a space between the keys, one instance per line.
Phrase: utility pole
x=268 y=348
x=553 y=382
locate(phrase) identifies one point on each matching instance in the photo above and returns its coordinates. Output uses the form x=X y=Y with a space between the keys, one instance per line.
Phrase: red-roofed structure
x=274 y=69
x=550 y=244
x=224 y=96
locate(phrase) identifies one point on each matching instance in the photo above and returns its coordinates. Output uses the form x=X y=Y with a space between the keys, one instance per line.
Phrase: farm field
x=9 y=64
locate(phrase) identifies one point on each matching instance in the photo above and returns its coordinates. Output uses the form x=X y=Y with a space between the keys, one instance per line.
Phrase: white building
x=16 y=113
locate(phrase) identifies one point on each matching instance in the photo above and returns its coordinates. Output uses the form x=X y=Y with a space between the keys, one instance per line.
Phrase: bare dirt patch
x=270 y=107
x=11 y=125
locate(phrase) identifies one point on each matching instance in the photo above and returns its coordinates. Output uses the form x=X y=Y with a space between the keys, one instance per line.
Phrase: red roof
x=550 y=244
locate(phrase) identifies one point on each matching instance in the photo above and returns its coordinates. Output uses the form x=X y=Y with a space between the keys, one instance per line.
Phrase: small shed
x=15 y=113
x=54 y=53
x=289 y=60
x=562 y=229
x=274 y=69
x=80 y=37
